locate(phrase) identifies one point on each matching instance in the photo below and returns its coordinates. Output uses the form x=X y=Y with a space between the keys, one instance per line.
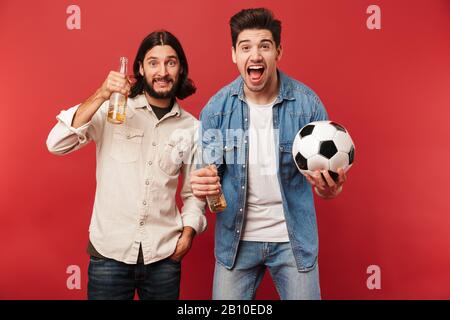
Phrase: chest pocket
x=173 y=155
x=126 y=144
x=233 y=156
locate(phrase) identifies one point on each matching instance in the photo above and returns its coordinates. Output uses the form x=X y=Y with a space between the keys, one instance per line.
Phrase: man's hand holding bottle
x=205 y=183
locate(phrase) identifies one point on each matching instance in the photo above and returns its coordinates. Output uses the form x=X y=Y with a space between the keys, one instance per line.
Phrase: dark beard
x=160 y=95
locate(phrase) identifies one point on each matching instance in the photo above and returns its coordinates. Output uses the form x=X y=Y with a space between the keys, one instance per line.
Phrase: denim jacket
x=225 y=124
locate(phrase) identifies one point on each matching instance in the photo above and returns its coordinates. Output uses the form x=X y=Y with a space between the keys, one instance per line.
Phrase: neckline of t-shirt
x=168 y=108
x=269 y=105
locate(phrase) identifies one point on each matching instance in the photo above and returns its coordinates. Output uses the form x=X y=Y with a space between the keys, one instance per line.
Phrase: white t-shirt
x=264 y=220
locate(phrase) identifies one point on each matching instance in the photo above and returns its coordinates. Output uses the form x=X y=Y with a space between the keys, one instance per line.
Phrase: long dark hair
x=186 y=86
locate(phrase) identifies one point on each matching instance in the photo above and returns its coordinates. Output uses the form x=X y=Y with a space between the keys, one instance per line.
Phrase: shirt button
x=243 y=187
x=237 y=231
x=144 y=203
x=141 y=223
x=243 y=166
x=240 y=209
x=147 y=182
x=128 y=135
x=153 y=143
x=246 y=119
x=149 y=163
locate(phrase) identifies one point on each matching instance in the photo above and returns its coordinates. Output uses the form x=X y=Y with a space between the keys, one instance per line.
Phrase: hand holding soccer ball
x=323 y=151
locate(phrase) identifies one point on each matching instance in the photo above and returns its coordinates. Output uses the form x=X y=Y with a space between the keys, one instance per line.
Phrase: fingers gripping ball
x=323 y=145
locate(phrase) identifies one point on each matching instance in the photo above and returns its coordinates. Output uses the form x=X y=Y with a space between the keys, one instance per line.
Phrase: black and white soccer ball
x=323 y=145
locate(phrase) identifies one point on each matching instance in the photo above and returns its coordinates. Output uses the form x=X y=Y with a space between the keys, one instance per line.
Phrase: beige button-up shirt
x=138 y=165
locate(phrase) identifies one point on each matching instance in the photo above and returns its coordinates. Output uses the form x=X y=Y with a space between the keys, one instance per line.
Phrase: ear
x=141 y=69
x=233 y=54
x=279 y=53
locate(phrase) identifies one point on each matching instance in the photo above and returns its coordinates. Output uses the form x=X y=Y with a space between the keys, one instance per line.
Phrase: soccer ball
x=323 y=145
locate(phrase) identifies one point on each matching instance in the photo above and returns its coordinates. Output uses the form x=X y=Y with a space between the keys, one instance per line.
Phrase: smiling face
x=256 y=56
x=161 y=69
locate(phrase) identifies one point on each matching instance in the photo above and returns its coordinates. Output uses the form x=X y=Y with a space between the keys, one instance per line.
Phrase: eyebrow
x=168 y=57
x=263 y=40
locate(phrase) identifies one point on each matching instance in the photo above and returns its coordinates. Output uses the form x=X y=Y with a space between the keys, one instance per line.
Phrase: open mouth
x=255 y=72
x=162 y=82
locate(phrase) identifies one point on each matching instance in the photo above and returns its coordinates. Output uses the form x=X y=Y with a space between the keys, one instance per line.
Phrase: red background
x=389 y=87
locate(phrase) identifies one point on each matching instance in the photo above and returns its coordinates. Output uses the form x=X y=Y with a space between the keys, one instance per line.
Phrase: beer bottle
x=118 y=101
x=216 y=203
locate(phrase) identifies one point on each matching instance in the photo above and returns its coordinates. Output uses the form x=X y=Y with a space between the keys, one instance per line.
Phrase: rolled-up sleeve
x=63 y=138
x=193 y=211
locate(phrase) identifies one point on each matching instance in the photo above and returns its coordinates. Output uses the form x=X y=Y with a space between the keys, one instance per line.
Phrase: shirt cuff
x=195 y=221
x=66 y=117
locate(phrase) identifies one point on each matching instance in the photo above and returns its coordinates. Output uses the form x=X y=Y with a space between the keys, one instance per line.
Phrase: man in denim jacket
x=248 y=130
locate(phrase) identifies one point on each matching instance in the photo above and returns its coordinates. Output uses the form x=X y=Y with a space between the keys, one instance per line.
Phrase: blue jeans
x=113 y=280
x=241 y=282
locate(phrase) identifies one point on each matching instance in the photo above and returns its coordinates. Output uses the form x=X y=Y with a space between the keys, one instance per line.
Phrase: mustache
x=149 y=88
x=166 y=79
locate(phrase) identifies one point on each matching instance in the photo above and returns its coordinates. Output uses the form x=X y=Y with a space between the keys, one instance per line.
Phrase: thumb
x=213 y=168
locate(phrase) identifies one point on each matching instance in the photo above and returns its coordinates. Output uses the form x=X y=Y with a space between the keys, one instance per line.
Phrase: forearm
x=188 y=232
x=87 y=110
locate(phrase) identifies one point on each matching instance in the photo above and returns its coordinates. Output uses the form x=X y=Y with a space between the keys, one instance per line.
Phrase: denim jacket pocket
x=126 y=144
x=233 y=157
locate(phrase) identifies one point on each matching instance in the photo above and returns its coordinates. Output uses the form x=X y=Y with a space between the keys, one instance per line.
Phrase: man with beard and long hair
x=137 y=236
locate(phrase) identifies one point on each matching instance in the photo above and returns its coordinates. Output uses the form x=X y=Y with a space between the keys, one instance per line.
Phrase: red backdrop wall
x=389 y=87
